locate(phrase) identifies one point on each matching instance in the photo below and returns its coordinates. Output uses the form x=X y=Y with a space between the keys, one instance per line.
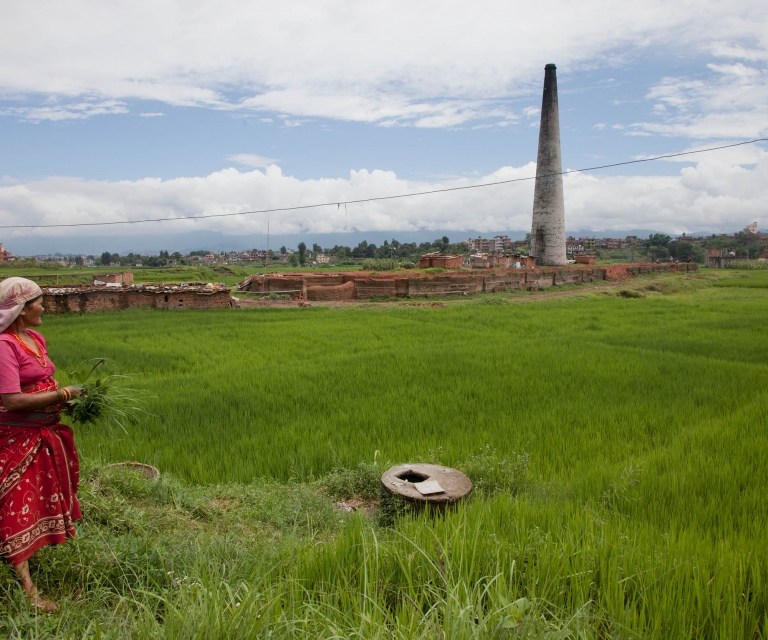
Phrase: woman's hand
x=75 y=390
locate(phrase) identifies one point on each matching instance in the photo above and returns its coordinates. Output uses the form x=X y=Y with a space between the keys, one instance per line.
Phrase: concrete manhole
x=426 y=483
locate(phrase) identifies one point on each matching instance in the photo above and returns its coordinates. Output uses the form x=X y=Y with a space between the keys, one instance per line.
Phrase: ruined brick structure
x=126 y=277
x=486 y=261
x=360 y=285
x=443 y=260
x=86 y=299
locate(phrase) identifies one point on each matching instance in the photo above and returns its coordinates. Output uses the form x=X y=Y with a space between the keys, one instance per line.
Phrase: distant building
x=573 y=246
x=489 y=245
x=321 y=258
x=4 y=255
x=720 y=258
x=751 y=228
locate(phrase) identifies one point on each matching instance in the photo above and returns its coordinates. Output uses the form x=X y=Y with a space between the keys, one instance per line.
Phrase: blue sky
x=111 y=115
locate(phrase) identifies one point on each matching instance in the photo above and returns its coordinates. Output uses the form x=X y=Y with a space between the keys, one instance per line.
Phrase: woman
x=38 y=460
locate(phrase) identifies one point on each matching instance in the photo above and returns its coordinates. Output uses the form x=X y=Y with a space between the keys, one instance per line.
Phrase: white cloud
x=251 y=160
x=747 y=154
x=152 y=114
x=70 y=111
x=435 y=63
x=714 y=194
x=731 y=104
x=725 y=50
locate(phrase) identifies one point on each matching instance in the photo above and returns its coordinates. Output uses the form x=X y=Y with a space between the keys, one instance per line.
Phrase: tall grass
x=756 y=265
x=636 y=510
x=379 y=264
x=584 y=385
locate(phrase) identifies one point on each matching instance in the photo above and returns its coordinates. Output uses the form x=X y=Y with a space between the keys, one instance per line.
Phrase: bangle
x=58 y=393
x=67 y=395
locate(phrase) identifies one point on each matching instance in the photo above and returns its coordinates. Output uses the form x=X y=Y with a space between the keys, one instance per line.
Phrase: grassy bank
x=230 y=274
x=637 y=509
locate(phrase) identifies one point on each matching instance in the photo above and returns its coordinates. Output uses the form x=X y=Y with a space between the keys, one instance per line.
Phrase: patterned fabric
x=15 y=292
x=39 y=475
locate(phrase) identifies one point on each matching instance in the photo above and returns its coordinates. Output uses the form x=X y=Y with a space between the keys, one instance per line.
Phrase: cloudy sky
x=132 y=110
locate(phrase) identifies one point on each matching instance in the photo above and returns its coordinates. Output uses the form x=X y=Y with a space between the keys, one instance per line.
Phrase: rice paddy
x=638 y=509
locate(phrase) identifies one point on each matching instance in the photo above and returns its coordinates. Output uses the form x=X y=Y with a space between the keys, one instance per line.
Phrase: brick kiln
x=357 y=285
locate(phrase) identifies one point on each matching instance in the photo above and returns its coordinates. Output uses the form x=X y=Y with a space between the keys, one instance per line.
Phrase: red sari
x=39 y=471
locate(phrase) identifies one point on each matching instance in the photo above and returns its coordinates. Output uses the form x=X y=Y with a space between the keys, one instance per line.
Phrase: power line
x=379 y=198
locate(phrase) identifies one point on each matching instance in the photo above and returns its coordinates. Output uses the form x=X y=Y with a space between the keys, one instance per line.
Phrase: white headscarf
x=15 y=292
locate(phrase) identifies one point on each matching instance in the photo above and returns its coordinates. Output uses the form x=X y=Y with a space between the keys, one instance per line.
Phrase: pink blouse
x=18 y=368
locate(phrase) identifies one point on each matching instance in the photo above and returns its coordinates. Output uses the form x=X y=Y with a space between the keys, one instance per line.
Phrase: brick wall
x=504 y=281
x=371 y=288
x=126 y=277
x=91 y=300
x=535 y=280
x=445 y=285
x=336 y=292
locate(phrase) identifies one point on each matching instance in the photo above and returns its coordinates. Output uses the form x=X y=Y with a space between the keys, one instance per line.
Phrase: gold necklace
x=40 y=358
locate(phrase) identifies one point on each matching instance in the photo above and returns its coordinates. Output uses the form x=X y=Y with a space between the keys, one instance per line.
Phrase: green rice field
x=617 y=444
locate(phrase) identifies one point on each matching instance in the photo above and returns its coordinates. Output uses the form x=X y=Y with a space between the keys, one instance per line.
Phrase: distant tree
x=79 y=261
x=293 y=260
x=680 y=250
x=283 y=250
x=360 y=250
x=317 y=248
x=302 y=254
x=106 y=258
x=658 y=240
x=271 y=254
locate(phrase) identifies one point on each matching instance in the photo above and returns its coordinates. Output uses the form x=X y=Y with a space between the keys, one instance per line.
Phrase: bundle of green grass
x=103 y=400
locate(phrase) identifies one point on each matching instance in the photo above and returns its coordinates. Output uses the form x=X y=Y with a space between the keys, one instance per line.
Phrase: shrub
x=492 y=474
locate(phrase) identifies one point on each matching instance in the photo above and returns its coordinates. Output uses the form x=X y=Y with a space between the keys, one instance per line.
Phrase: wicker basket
x=148 y=470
